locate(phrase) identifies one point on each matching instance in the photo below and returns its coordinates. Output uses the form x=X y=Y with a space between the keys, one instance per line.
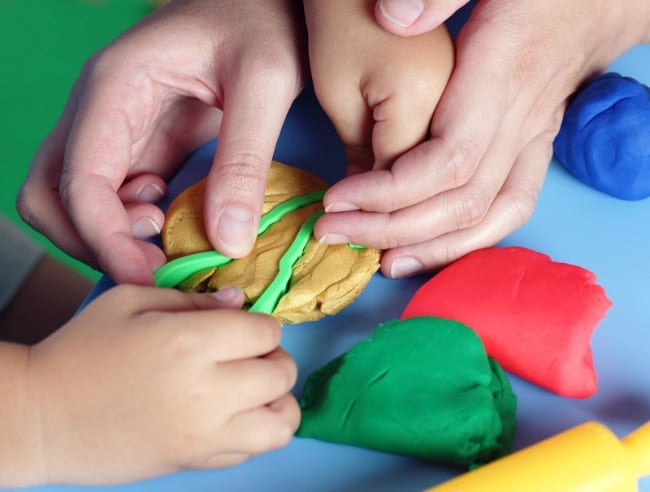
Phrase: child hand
x=147 y=381
x=379 y=90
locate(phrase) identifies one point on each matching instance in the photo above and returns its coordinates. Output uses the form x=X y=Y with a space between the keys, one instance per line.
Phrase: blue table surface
x=572 y=223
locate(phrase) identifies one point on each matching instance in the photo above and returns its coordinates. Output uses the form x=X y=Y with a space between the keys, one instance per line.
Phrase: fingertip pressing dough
x=421 y=387
x=535 y=316
x=604 y=138
x=288 y=273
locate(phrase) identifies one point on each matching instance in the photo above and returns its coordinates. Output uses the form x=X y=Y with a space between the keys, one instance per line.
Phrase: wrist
x=639 y=21
x=21 y=449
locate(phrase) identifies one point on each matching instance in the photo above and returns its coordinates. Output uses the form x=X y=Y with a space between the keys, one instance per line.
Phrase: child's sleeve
x=19 y=255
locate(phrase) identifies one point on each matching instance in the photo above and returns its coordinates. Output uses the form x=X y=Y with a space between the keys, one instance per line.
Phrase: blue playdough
x=605 y=137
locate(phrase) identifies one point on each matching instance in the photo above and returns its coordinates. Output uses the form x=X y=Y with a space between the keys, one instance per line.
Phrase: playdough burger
x=288 y=273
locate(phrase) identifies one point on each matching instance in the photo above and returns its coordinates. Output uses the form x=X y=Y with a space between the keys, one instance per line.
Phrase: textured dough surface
x=604 y=140
x=421 y=387
x=325 y=279
x=534 y=315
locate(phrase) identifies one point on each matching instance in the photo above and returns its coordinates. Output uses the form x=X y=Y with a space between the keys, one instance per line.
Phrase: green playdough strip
x=278 y=287
x=174 y=272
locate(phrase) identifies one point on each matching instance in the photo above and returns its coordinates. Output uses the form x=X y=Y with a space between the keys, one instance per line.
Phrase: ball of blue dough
x=604 y=139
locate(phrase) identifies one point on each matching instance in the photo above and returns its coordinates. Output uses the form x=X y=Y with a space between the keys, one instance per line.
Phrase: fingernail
x=329 y=238
x=235 y=229
x=402 y=13
x=227 y=294
x=404 y=267
x=144 y=228
x=150 y=193
x=341 y=207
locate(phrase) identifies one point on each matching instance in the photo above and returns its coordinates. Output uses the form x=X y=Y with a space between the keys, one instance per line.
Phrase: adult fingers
x=464 y=126
x=454 y=209
x=139 y=194
x=146 y=219
x=411 y=17
x=96 y=164
x=39 y=201
x=255 y=107
x=510 y=210
x=148 y=188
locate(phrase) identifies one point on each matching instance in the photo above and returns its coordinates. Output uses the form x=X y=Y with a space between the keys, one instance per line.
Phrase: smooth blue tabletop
x=572 y=223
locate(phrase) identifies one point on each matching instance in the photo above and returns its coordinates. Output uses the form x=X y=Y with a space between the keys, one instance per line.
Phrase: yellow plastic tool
x=588 y=457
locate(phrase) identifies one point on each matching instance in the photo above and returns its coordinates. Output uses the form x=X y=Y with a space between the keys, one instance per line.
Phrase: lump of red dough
x=421 y=387
x=534 y=315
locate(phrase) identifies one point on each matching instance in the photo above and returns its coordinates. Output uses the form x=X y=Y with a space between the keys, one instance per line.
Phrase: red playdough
x=535 y=316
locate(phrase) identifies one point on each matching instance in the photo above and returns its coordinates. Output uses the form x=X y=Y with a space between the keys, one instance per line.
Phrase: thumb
x=411 y=17
x=234 y=195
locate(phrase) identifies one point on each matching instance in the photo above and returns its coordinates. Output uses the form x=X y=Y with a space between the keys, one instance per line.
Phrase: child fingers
x=264 y=428
x=258 y=381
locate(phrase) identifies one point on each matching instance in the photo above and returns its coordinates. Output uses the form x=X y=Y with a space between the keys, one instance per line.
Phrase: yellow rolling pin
x=588 y=457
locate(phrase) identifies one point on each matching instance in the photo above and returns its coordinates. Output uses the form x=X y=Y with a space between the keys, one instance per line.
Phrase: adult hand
x=478 y=176
x=188 y=71
x=148 y=381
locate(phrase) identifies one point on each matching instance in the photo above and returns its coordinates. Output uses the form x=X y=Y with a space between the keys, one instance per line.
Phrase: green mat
x=43 y=45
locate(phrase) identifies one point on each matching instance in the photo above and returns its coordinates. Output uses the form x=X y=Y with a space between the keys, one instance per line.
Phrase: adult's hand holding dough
x=188 y=71
x=478 y=176
x=294 y=284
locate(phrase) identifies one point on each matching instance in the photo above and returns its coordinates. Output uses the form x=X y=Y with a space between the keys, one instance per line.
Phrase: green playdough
x=422 y=387
x=269 y=299
x=176 y=271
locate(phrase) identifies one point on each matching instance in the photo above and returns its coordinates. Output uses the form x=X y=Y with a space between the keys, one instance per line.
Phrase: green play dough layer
x=176 y=271
x=421 y=387
x=269 y=299
x=180 y=270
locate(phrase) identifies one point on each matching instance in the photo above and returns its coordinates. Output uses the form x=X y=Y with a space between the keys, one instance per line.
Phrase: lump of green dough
x=421 y=387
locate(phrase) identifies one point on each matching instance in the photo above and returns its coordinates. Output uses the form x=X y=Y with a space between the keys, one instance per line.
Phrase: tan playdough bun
x=324 y=280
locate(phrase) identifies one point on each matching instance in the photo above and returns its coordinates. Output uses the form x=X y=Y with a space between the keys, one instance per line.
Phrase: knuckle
x=289 y=374
x=281 y=435
x=528 y=62
x=555 y=123
x=66 y=185
x=471 y=208
x=452 y=252
x=276 y=68
x=391 y=231
x=126 y=296
x=101 y=61
x=523 y=203
x=275 y=437
x=26 y=201
x=463 y=162
x=268 y=332
x=194 y=445
x=242 y=170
